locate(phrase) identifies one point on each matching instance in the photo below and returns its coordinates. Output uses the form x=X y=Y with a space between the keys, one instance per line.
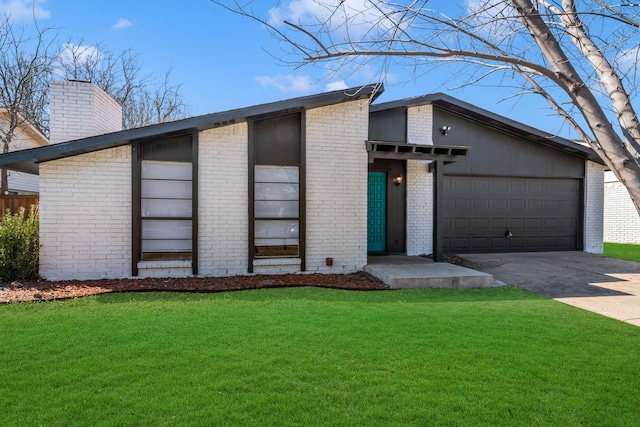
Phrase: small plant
x=19 y=245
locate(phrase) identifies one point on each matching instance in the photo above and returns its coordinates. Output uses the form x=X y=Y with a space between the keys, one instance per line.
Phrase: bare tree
x=144 y=99
x=581 y=53
x=157 y=104
x=29 y=60
x=25 y=66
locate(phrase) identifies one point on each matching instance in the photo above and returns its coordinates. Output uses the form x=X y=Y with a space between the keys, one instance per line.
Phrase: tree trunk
x=607 y=144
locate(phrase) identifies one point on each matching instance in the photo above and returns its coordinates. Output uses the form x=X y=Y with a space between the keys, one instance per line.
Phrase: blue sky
x=224 y=61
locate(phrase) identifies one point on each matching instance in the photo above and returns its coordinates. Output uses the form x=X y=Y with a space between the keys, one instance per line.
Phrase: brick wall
x=81 y=109
x=337 y=187
x=593 y=210
x=419 y=184
x=420 y=125
x=621 y=219
x=223 y=201
x=85 y=216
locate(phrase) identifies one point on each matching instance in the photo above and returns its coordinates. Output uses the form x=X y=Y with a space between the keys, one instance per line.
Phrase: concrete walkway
x=404 y=272
x=606 y=286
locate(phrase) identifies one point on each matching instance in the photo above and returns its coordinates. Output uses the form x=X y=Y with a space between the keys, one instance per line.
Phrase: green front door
x=377 y=212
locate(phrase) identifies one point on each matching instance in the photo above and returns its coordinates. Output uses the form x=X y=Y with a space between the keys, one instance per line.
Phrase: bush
x=19 y=245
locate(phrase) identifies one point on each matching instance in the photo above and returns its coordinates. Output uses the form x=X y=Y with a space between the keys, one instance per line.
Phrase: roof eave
x=29 y=160
x=505 y=124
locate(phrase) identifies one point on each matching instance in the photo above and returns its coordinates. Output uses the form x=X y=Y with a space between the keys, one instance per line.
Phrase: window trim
x=283 y=219
x=302 y=196
x=136 y=199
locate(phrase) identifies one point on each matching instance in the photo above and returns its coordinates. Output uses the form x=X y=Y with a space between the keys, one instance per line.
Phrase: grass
x=622 y=251
x=307 y=356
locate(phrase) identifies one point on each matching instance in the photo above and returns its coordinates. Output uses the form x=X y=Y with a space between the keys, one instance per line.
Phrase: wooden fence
x=13 y=203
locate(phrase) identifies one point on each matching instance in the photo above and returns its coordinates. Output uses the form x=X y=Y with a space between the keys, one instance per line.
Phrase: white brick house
x=311 y=184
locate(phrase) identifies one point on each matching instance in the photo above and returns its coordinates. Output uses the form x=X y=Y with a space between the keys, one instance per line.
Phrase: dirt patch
x=47 y=291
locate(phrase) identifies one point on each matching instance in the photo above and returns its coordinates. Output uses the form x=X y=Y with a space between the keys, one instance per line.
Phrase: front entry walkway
x=405 y=272
x=606 y=286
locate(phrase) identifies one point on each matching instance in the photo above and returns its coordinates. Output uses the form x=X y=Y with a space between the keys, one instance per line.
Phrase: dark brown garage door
x=540 y=214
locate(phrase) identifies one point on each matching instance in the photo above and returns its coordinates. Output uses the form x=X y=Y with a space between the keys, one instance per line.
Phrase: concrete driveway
x=606 y=286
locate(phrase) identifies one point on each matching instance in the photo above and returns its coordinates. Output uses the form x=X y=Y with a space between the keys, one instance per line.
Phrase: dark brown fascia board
x=29 y=160
x=456 y=106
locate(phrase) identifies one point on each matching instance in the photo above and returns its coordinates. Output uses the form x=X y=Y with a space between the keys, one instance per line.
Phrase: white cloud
x=24 y=9
x=122 y=24
x=296 y=10
x=286 y=83
x=494 y=19
x=338 y=85
x=358 y=16
x=77 y=54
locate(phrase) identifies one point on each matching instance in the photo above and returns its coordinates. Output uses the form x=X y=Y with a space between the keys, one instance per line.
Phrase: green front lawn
x=622 y=251
x=308 y=356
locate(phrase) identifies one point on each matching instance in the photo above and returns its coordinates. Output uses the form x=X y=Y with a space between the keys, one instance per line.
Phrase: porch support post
x=438 y=188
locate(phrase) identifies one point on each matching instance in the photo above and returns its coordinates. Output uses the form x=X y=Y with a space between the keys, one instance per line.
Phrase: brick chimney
x=79 y=109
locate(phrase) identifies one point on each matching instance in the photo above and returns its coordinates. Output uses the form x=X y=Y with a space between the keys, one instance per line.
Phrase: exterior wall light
x=397 y=180
x=445 y=129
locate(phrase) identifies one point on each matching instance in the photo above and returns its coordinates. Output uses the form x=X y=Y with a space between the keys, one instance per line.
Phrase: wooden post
x=438 y=188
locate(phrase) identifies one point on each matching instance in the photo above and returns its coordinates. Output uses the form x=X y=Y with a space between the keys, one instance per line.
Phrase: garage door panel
x=481 y=224
x=516 y=243
x=497 y=243
x=566 y=223
x=480 y=242
x=498 y=204
x=542 y=214
x=481 y=185
x=462 y=242
x=565 y=241
x=461 y=223
x=535 y=187
x=481 y=205
x=462 y=204
x=552 y=205
x=534 y=242
x=535 y=205
x=499 y=187
x=551 y=223
x=499 y=223
x=517 y=187
x=517 y=204
x=515 y=224
x=534 y=224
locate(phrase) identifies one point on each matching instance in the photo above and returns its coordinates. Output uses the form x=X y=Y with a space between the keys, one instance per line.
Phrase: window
x=164 y=196
x=277 y=206
x=166 y=209
x=276 y=189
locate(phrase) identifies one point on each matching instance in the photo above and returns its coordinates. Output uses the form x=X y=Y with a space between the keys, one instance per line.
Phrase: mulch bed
x=48 y=291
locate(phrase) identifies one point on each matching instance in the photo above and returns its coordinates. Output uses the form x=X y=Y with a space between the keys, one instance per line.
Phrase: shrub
x=19 y=245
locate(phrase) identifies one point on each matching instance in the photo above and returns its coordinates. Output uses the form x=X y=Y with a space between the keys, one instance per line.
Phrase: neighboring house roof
x=26 y=129
x=29 y=160
x=456 y=106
